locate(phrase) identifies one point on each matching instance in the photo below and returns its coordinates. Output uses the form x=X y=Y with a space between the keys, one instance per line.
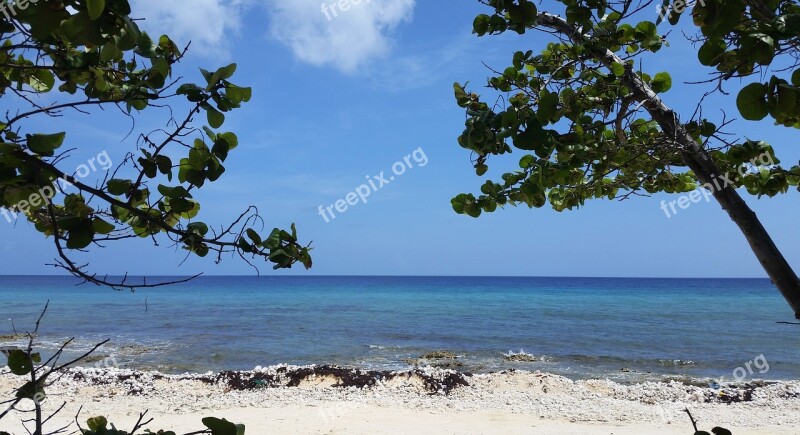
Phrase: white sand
x=505 y=403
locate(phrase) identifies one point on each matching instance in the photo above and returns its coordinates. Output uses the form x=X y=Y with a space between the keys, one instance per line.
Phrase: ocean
x=625 y=329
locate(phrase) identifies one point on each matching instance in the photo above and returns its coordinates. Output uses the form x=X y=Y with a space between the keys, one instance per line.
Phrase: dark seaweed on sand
x=445 y=383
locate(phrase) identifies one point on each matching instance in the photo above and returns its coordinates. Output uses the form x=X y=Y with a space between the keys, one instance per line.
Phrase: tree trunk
x=760 y=241
x=699 y=161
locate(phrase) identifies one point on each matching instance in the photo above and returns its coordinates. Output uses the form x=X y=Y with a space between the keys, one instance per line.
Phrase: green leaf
x=222 y=427
x=223 y=73
x=145 y=46
x=215 y=117
x=164 y=165
x=707 y=129
x=577 y=14
x=758 y=47
x=618 y=69
x=711 y=52
x=533 y=138
x=253 y=235
x=661 y=83
x=31 y=390
x=647 y=28
x=42 y=80
x=238 y=94
x=201 y=250
x=191 y=214
x=119 y=187
x=796 y=77
x=45 y=144
x=480 y=25
x=110 y=52
x=81 y=236
x=548 y=107
x=527 y=161
x=231 y=138
x=191 y=90
x=44 y=23
x=198 y=227
x=458 y=203
x=174 y=192
x=80 y=30
x=97 y=423
x=180 y=205
x=751 y=102
x=226 y=72
x=102 y=227
x=138 y=104
x=19 y=363
x=120 y=7
x=221 y=148
x=95 y=8
x=472 y=210
x=149 y=167
x=498 y=23
x=462 y=98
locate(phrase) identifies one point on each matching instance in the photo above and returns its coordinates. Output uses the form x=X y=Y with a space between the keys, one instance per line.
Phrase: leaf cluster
x=94 y=52
x=740 y=38
x=581 y=132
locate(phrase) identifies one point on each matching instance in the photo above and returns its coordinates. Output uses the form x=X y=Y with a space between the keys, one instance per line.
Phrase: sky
x=339 y=98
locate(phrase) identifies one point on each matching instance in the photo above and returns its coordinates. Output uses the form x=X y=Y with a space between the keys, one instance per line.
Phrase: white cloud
x=320 y=32
x=345 y=34
x=208 y=24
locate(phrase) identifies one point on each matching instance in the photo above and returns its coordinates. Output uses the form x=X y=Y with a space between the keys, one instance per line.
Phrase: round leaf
x=661 y=83
x=751 y=102
x=19 y=363
x=215 y=118
x=711 y=51
x=95 y=8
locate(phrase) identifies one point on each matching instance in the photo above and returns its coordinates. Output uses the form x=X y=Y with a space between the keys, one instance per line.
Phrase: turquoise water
x=580 y=327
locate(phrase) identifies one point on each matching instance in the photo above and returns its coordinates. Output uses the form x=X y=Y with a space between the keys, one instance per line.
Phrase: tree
x=596 y=126
x=91 y=54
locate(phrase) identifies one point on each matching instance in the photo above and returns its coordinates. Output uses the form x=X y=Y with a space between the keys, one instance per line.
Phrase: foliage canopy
x=91 y=54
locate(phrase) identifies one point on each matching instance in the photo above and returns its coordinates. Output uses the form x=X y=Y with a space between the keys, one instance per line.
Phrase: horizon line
x=388 y=276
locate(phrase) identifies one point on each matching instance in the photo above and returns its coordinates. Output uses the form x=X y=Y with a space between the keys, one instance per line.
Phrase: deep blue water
x=580 y=327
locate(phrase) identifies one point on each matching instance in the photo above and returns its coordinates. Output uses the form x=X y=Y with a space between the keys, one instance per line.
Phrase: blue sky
x=338 y=100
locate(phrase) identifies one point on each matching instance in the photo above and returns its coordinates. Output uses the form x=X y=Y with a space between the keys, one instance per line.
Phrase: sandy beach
x=299 y=400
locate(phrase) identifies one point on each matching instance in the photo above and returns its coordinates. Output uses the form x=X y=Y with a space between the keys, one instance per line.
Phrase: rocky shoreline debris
x=435 y=381
x=432 y=381
x=520 y=356
x=440 y=359
x=329 y=387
